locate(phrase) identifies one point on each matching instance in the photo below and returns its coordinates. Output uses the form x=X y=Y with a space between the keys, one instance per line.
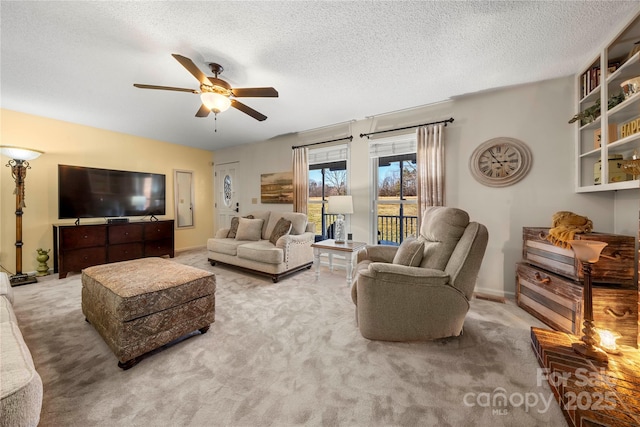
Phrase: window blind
x=392 y=146
x=330 y=154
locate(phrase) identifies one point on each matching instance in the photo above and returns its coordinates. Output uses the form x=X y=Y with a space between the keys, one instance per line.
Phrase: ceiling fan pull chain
x=215 y=122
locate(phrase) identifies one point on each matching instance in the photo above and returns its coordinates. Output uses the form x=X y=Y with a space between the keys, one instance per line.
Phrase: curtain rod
x=350 y=138
x=450 y=120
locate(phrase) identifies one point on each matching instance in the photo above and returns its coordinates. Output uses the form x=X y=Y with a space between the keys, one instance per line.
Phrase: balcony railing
x=392 y=229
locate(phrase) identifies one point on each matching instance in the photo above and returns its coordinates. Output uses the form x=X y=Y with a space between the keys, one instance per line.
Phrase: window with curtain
x=328 y=176
x=395 y=188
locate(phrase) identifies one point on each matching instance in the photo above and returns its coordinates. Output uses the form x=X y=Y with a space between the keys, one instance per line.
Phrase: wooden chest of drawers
x=558 y=302
x=79 y=246
x=549 y=284
x=616 y=265
x=158 y=238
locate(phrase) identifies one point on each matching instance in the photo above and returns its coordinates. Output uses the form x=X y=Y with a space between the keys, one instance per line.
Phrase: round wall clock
x=499 y=162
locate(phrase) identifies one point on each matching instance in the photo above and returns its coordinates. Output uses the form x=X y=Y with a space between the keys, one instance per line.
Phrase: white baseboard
x=190 y=248
x=495 y=293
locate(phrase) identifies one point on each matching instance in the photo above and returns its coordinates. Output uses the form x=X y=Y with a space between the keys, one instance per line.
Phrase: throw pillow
x=249 y=229
x=409 y=253
x=234 y=226
x=282 y=228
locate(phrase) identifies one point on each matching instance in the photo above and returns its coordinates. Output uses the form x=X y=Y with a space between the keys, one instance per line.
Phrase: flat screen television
x=93 y=193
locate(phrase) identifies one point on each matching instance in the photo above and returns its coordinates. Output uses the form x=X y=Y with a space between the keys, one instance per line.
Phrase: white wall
x=626 y=211
x=254 y=160
x=536 y=114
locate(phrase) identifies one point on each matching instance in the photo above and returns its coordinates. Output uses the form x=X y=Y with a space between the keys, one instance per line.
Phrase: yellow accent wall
x=72 y=144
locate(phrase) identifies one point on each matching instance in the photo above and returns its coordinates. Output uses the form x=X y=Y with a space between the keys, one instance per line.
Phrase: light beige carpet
x=281 y=355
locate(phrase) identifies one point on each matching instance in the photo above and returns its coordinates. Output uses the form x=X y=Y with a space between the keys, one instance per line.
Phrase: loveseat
x=20 y=384
x=267 y=242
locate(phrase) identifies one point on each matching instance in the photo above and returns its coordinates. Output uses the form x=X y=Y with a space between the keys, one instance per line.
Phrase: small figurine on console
x=43 y=257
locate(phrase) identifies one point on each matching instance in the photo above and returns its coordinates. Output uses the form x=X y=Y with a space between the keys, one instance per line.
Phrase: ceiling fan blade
x=255 y=92
x=248 y=110
x=203 y=111
x=192 y=68
x=177 y=89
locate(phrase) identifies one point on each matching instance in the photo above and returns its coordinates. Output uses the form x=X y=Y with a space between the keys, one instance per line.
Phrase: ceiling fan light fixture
x=215 y=102
x=216 y=94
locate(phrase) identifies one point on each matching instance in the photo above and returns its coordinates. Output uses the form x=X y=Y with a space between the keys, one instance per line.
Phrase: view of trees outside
x=397 y=210
x=335 y=184
x=389 y=179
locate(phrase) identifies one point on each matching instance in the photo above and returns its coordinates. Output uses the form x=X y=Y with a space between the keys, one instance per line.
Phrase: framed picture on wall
x=276 y=187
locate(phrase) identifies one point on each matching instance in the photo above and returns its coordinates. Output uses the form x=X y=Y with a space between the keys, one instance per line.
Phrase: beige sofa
x=20 y=384
x=254 y=252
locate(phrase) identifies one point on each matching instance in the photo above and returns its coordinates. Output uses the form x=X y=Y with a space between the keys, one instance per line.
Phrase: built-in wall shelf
x=601 y=142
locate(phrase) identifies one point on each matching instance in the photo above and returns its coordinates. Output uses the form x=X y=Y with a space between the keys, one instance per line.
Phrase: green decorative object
x=593 y=112
x=588 y=115
x=43 y=257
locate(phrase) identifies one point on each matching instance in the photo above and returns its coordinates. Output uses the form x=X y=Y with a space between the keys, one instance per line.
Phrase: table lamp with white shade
x=340 y=205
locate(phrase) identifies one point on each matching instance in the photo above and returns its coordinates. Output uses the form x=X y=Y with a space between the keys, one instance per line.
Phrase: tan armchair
x=430 y=300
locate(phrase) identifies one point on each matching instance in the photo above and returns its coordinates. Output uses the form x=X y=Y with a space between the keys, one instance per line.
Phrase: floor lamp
x=588 y=252
x=19 y=163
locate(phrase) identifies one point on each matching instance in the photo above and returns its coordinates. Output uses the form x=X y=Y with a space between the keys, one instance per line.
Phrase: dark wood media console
x=79 y=246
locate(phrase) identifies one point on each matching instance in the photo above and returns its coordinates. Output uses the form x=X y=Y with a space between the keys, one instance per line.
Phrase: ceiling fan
x=216 y=94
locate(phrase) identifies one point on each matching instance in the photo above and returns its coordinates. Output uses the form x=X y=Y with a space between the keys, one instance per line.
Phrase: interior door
x=226 y=184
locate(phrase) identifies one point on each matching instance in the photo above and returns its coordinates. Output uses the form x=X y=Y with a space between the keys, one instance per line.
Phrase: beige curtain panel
x=430 y=165
x=300 y=179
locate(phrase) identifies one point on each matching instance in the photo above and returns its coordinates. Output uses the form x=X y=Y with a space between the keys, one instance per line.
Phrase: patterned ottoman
x=140 y=305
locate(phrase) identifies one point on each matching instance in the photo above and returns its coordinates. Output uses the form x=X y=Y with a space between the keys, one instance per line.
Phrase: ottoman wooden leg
x=128 y=364
x=205 y=329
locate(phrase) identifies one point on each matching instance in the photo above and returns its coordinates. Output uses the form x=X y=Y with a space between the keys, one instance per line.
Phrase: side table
x=329 y=246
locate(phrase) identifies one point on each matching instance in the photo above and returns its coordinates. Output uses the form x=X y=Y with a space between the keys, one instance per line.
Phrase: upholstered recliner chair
x=421 y=290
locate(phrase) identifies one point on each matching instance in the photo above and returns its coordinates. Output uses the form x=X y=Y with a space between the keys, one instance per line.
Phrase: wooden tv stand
x=79 y=246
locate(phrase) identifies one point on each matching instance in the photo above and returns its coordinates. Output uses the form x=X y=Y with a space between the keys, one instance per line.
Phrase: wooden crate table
x=590 y=393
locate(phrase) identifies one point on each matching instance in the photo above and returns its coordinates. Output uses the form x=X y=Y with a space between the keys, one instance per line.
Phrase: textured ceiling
x=330 y=61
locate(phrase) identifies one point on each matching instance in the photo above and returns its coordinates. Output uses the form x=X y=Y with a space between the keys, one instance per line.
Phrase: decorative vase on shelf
x=632 y=166
x=42 y=258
